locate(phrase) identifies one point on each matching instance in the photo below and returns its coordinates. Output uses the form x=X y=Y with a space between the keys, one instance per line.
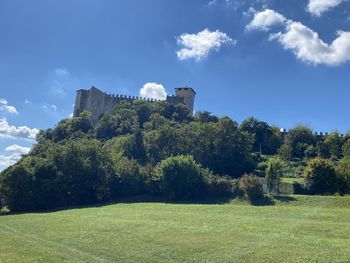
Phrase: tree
x=343 y=172
x=323 y=150
x=205 y=117
x=334 y=143
x=251 y=187
x=17 y=188
x=83 y=167
x=181 y=178
x=273 y=174
x=285 y=152
x=126 y=179
x=346 y=149
x=299 y=139
x=131 y=145
x=123 y=121
x=265 y=139
x=321 y=176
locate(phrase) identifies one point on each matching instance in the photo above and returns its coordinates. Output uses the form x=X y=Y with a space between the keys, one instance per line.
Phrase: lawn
x=295 y=229
x=293 y=180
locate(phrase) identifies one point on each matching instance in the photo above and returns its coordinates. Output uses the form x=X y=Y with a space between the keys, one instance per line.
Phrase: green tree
x=266 y=140
x=343 y=171
x=334 y=143
x=299 y=139
x=346 y=149
x=273 y=174
x=285 y=152
x=205 y=117
x=83 y=167
x=323 y=150
x=17 y=188
x=126 y=180
x=321 y=176
x=181 y=178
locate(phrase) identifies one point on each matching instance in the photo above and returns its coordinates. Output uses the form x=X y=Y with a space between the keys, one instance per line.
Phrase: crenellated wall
x=98 y=102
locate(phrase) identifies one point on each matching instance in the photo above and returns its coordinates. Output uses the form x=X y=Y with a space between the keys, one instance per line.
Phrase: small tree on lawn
x=273 y=174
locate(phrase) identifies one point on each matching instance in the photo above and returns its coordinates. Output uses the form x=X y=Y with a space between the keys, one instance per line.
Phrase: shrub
x=321 y=177
x=299 y=189
x=181 y=178
x=126 y=179
x=343 y=172
x=222 y=186
x=17 y=188
x=251 y=187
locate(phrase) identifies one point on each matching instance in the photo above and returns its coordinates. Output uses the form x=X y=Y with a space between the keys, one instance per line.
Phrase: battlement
x=98 y=102
x=318 y=134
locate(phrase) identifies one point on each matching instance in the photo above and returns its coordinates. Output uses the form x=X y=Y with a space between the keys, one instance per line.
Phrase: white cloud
x=17 y=149
x=307 y=45
x=251 y=11
x=7 y=130
x=153 y=90
x=50 y=107
x=198 y=46
x=7 y=160
x=318 y=7
x=265 y=20
x=8 y=108
x=27 y=102
x=16 y=154
x=303 y=41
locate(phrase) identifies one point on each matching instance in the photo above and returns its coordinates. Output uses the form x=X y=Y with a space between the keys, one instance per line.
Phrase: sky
x=285 y=62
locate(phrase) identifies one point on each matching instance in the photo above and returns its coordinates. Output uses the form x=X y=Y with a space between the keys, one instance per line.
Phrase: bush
x=321 y=177
x=17 y=189
x=181 y=178
x=299 y=189
x=126 y=179
x=222 y=186
x=251 y=187
x=343 y=172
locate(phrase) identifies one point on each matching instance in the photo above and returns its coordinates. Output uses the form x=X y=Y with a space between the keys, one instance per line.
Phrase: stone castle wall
x=98 y=102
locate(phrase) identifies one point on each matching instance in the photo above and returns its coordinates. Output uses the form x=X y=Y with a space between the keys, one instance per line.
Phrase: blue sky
x=285 y=62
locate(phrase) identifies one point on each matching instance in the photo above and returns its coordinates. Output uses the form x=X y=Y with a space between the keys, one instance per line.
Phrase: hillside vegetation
x=161 y=150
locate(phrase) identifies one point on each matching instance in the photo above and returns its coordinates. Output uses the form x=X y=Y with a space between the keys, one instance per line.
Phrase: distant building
x=98 y=102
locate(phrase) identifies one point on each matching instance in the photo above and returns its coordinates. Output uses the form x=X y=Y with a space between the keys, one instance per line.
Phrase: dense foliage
x=159 y=148
x=251 y=187
x=181 y=178
x=321 y=177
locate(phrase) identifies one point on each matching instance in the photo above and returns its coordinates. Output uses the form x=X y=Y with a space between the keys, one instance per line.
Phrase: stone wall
x=98 y=102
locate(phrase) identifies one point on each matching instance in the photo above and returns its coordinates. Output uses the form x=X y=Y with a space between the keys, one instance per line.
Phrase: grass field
x=295 y=229
x=293 y=180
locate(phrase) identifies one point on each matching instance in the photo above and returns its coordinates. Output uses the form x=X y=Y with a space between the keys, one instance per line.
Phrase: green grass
x=292 y=180
x=295 y=229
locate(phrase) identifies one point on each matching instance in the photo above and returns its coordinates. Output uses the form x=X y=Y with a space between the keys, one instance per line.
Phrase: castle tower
x=80 y=102
x=188 y=94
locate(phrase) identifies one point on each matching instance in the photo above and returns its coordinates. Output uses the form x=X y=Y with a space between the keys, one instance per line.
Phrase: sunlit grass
x=295 y=229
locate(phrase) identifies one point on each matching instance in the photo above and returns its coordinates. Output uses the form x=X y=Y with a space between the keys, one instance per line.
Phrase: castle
x=98 y=102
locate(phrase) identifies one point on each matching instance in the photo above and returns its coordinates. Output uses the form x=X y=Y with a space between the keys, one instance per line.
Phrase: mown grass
x=293 y=180
x=295 y=229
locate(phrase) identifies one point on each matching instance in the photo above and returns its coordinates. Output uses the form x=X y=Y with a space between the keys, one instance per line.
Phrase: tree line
x=160 y=149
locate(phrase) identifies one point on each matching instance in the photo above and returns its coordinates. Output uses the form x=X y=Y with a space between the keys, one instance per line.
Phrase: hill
x=159 y=148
